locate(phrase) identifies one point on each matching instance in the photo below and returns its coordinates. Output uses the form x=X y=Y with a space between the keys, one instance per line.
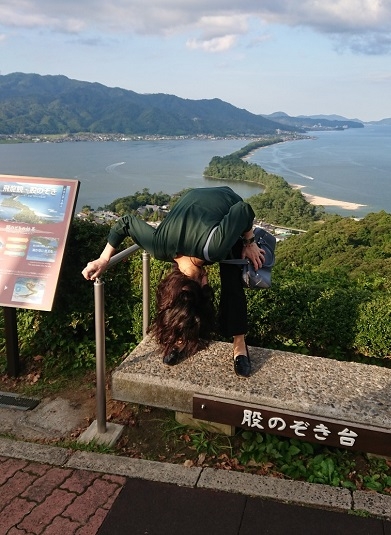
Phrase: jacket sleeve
x=239 y=219
x=135 y=228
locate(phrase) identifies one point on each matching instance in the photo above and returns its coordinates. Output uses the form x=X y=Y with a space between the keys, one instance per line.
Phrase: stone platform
x=310 y=386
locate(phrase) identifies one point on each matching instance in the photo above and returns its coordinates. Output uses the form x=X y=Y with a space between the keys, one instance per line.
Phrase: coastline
x=324 y=201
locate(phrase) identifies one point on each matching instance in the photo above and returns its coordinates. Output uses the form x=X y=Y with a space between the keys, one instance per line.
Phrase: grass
x=91 y=446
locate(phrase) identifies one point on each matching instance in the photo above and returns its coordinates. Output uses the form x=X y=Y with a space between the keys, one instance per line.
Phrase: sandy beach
x=324 y=201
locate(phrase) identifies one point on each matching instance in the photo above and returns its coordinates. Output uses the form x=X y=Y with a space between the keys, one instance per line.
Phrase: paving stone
x=16 y=485
x=43 y=514
x=79 y=480
x=44 y=485
x=94 y=523
x=33 y=452
x=139 y=468
x=279 y=489
x=373 y=502
x=9 y=467
x=94 y=497
x=14 y=513
x=62 y=525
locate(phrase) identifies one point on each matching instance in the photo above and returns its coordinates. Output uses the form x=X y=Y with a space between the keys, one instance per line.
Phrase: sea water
x=109 y=170
x=353 y=165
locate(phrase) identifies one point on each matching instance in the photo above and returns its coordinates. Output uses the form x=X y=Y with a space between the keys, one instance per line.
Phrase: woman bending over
x=207 y=225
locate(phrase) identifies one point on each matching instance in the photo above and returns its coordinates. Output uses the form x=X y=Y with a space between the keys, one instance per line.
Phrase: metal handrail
x=100 y=337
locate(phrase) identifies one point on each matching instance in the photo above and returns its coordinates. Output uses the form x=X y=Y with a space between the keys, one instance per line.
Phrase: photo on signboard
x=42 y=249
x=29 y=290
x=33 y=203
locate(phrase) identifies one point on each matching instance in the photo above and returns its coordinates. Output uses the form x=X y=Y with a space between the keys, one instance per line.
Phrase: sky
x=302 y=57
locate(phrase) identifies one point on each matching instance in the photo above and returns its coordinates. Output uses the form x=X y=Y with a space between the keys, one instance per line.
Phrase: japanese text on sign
x=301 y=428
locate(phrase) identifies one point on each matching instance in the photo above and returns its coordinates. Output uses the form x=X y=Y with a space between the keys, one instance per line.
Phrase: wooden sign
x=301 y=426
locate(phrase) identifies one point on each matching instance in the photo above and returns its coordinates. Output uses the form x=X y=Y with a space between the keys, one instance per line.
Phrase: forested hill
x=358 y=248
x=34 y=104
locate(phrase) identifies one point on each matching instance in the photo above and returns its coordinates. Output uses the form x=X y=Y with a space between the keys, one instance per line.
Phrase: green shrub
x=303 y=309
x=320 y=309
x=373 y=326
x=65 y=336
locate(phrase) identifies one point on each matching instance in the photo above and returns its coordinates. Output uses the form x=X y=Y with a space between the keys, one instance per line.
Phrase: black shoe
x=242 y=365
x=173 y=358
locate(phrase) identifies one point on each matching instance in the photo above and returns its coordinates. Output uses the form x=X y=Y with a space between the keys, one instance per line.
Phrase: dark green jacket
x=187 y=227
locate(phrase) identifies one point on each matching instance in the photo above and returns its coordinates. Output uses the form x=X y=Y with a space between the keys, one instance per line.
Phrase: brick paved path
x=42 y=499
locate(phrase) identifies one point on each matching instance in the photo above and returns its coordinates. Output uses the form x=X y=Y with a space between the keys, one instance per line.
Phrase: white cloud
x=379 y=77
x=218 y=44
x=362 y=25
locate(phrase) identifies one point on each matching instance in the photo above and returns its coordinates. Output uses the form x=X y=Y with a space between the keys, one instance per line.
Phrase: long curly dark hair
x=185 y=314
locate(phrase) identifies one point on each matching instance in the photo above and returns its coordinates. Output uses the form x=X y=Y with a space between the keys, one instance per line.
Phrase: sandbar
x=324 y=201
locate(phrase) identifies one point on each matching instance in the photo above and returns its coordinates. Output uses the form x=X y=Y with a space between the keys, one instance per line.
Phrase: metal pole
x=100 y=338
x=100 y=356
x=146 y=290
x=11 y=341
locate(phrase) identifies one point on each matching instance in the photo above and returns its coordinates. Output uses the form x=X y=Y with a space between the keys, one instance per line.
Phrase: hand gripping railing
x=100 y=329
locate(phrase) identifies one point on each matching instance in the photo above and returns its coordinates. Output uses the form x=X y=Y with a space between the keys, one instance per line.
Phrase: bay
x=109 y=170
x=351 y=165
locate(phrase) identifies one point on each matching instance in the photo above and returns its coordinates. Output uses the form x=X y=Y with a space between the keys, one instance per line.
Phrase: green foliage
x=359 y=512
x=359 y=248
x=93 y=446
x=200 y=439
x=306 y=312
x=352 y=261
x=373 y=326
x=326 y=300
x=127 y=205
x=66 y=335
x=204 y=441
x=279 y=203
x=313 y=462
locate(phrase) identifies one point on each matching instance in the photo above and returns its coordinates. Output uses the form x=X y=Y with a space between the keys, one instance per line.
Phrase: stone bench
x=310 y=398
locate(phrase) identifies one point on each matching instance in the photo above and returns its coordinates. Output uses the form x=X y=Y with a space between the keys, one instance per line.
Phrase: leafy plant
x=313 y=462
x=204 y=441
x=200 y=439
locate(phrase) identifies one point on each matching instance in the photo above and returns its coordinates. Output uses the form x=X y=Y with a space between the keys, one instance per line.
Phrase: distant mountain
x=314 y=122
x=384 y=122
x=34 y=104
x=330 y=118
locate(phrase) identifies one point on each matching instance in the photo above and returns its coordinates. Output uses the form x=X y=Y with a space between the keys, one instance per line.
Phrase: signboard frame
x=35 y=217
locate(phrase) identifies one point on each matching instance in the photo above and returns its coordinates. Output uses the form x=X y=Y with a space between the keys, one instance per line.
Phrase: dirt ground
x=149 y=432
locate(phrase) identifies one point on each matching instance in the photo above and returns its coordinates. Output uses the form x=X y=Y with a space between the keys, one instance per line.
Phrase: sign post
x=11 y=341
x=35 y=216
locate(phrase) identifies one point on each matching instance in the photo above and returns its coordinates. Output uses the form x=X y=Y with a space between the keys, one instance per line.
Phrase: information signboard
x=35 y=215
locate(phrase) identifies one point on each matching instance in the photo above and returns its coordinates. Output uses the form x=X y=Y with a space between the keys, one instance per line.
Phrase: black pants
x=233 y=304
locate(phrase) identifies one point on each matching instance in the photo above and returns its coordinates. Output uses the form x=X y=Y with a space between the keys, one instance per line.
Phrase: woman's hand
x=254 y=254
x=97 y=267
x=94 y=269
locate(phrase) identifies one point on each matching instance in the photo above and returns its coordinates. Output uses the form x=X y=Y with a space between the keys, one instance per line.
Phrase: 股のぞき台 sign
x=35 y=215
x=306 y=427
